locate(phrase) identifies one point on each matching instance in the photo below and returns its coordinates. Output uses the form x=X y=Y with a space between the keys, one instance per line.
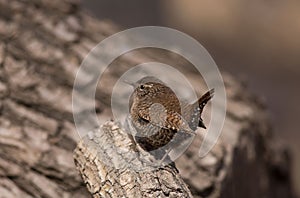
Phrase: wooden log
x=110 y=166
x=42 y=44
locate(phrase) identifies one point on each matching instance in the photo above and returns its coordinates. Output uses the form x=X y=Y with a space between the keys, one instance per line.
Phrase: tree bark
x=42 y=45
x=110 y=167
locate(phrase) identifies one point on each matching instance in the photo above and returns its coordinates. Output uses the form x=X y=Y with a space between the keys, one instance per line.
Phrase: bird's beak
x=133 y=84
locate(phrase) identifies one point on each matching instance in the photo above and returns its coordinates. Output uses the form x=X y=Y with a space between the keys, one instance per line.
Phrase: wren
x=157 y=114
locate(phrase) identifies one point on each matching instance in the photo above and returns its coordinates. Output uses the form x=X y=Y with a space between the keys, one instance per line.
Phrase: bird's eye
x=142 y=87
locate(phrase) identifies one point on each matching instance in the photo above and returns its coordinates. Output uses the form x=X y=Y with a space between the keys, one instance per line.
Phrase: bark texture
x=42 y=43
x=110 y=167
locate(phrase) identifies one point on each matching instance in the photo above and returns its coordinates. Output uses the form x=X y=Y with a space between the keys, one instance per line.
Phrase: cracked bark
x=110 y=168
x=42 y=44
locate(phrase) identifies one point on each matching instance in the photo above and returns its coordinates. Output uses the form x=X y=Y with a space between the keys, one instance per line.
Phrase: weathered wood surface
x=110 y=166
x=42 y=44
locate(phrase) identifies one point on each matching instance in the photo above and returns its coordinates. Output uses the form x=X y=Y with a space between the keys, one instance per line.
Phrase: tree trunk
x=42 y=45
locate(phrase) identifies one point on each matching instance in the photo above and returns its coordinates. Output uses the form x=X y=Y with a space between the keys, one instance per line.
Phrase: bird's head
x=150 y=90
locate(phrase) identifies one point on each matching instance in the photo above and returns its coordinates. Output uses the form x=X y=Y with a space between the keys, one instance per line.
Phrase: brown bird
x=157 y=116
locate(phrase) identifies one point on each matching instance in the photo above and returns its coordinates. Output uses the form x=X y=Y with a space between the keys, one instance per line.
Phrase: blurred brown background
x=256 y=41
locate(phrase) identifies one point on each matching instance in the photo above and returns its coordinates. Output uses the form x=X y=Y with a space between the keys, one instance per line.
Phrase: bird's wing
x=144 y=116
x=173 y=121
x=176 y=122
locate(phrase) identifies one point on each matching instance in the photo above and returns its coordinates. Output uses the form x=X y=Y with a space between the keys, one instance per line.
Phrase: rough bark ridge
x=42 y=44
x=111 y=168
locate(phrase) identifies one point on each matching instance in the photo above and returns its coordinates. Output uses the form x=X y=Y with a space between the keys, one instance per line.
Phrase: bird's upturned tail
x=202 y=102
